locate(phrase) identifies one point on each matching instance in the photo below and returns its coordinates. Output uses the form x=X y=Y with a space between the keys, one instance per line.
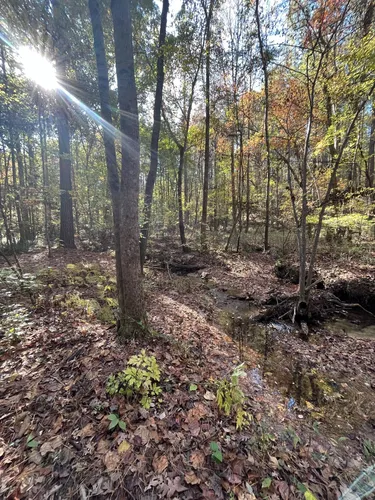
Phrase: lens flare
x=37 y=68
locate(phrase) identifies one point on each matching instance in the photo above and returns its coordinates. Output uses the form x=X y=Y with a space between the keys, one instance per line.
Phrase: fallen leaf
x=197 y=459
x=87 y=431
x=283 y=489
x=160 y=463
x=194 y=428
x=143 y=433
x=35 y=457
x=111 y=460
x=274 y=462
x=51 y=445
x=58 y=424
x=171 y=487
x=209 y=396
x=191 y=478
x=24 y=426
x=124 y=447
x=197 y=412
x=103 y=446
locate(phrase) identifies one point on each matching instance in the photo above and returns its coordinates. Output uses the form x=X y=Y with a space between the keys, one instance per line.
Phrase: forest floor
x=311 y=403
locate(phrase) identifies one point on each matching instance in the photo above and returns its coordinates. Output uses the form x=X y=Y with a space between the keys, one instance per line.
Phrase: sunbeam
x=6 y=41
x=43 y=72
x=107 y=127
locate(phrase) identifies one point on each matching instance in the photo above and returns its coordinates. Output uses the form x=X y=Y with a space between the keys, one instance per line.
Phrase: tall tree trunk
x=22 y=188
x=132 y=314
x=264 y=56
x=109 y=142
x=233 y=183
x=46 y=203
x=370 y=173
x=207 y=128
x=66 y=202
x=181 y=223
x=151 y=177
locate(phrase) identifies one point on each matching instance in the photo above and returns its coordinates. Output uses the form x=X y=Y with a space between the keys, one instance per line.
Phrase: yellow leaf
x=124 y=446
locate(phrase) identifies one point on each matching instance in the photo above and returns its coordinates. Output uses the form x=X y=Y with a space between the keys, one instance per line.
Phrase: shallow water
x=357 y=328
x=342 y=404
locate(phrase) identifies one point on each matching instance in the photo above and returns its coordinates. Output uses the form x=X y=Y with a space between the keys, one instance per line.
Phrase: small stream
x=342 y=405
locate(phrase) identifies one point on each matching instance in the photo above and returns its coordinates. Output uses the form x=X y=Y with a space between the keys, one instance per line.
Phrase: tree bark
x=109 y=142
x=151 y=177
x=181 y=224
x=370 y=173
x=207 y=128
x=266 y=130
x=66 y=202
x=132 y=315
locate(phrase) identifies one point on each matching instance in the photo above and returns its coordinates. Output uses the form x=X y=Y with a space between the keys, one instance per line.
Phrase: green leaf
x=266 y=483
x=301 y=487
x=122 y=425
x=309 y=495
x=193 y=387
x=214 y=446
x=217 y=456
x=114 y=421
x=31 y=442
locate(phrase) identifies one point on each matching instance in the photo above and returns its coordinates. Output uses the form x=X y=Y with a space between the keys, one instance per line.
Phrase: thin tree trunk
x=151 y=177
x=21 y=196
x=207 y=129
x=46 y=204
x=132 y=316
x=266 y=130
x=109 y=142
x=233 y=184
x=66 y=202
x=370 y=173
x=181 y=224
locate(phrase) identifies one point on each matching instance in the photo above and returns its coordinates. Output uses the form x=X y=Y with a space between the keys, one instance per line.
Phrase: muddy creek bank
x=329 y=379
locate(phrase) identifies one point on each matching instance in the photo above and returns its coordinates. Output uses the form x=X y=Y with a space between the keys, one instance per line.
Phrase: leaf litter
x=53 y=387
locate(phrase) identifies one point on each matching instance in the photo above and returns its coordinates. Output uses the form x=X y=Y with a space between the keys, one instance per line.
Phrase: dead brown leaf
x=51 y=445
x=160 y=463
x=111 y=461
x=103 y=446
x=24 y=426
x=198 y=412
x=197 y=459
x=194 y=428
x=209 y=396
x=191 y=478
x=143 y=433
x=35 y=457
x=87 y=431
x=171 y=487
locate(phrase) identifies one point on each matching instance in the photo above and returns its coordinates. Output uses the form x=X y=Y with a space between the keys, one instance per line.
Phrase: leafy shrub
x=231 y=399
x=140 y=378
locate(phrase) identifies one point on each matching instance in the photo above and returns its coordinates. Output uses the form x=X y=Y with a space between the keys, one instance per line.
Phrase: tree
x=208 y=16
x=66 y=202
x=151 y=177
x=109 y=141
x=132 y=315
x=264 y=57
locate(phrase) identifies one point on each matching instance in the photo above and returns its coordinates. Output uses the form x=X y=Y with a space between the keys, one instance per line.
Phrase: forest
x=187 y=249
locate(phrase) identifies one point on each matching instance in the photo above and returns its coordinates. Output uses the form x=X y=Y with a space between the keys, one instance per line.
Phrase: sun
x=37 y=68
